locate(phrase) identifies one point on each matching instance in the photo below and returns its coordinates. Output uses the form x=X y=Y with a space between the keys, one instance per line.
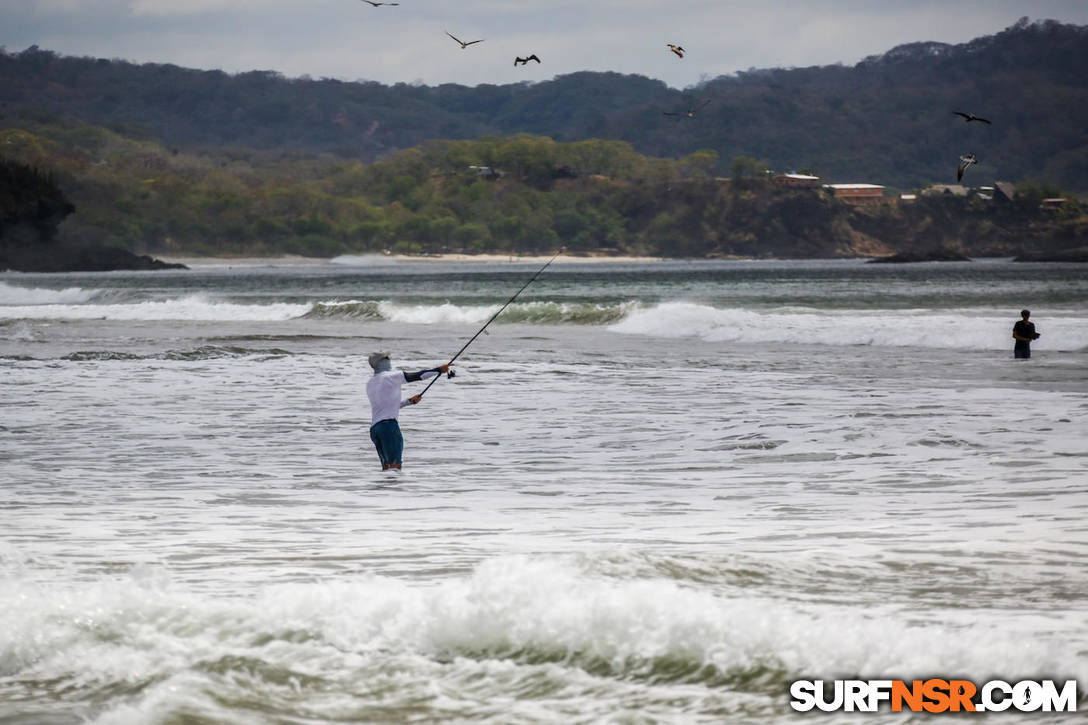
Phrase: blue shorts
x=388 y=440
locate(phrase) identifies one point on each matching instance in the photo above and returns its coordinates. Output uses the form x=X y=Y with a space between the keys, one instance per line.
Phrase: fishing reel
x=450 y=373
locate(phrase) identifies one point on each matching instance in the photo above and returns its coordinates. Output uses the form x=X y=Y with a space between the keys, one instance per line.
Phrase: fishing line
x=479 y=332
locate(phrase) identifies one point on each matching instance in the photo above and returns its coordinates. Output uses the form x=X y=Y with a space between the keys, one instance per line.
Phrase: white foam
x=958 y=329
x=124 y=630
x=539 y=312
x=15 y=295
x=20 y=331
x=191 y=307
x=445 y=313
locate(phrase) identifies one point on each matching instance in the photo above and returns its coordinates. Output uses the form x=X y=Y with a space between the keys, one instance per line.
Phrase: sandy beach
x=357 y=259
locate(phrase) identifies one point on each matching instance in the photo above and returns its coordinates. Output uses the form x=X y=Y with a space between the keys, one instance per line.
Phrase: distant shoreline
x=348 y=260
x=363 y=260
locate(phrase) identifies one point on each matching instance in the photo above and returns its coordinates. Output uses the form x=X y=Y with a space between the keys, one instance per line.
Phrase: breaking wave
x=143 y=650
x=966 y=329
x=368 y=310
x=197 y=307
x=957 y=329
x=14 y=295
x=530 y=313
x=17 y=303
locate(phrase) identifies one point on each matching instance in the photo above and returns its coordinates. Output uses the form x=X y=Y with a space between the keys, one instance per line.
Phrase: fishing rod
x=479 y=332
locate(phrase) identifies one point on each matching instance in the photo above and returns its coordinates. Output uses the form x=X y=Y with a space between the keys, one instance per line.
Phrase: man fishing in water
x=383 y=389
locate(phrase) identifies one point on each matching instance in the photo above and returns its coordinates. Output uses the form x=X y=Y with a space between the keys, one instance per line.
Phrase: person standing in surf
x=383 y=389
x=1023 y=332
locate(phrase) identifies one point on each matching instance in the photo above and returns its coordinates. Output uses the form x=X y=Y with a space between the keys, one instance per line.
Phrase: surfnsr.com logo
x=934 y=695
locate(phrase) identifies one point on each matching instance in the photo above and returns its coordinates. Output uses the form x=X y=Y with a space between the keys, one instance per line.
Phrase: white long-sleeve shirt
x=383 y=389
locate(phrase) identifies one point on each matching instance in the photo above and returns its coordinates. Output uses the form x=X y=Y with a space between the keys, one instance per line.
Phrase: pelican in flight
x=676 y=49
x=968 y=117
x=523 y=61
x=463 y=43
x=965 y=161
x=690 y=113
x=378 y=5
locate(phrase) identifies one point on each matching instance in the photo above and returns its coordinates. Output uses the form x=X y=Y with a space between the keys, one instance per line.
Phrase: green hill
x=515 y=194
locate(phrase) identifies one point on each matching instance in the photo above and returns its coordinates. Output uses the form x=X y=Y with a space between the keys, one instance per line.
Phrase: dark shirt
x=1023 y=328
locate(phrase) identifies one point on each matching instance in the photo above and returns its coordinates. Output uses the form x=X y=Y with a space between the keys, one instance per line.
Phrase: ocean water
x=654 y=493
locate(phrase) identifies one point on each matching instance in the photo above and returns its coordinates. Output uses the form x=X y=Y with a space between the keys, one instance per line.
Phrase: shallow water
x=653 y=493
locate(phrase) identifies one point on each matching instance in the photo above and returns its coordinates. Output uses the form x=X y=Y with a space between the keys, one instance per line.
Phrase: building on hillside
x=857 y=193
x=945 y=190
x=802 y=180
x=1004 y=192
x=487 y=172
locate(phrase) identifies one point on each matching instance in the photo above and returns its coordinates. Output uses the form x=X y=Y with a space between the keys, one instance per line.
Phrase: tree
x=746 y=166
x=31 y=205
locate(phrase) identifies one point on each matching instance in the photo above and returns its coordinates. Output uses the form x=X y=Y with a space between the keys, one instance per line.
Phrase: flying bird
x=463 y=43
x=378 y=5
x=690 y=113
x=676 y=49
x=523 y=61
x=968 y=117
x=965 y=161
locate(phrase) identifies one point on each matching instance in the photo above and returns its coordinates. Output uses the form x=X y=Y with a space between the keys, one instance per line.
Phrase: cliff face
x=973 y=228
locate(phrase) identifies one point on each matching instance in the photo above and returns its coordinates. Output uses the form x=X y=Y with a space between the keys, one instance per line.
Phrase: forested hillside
x=886 y=120
x=32 y=206
x=516 y=194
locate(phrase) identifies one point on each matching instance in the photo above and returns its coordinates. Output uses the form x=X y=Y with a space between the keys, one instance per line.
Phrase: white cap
x=376 y=358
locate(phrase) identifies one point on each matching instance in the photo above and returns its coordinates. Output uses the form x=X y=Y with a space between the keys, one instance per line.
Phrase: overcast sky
x=350 y=40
